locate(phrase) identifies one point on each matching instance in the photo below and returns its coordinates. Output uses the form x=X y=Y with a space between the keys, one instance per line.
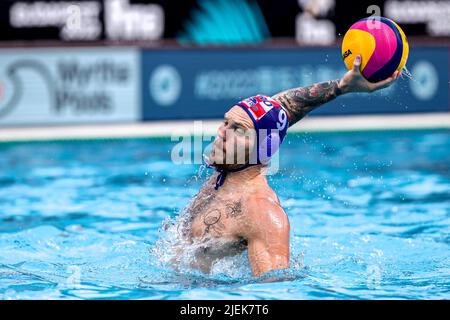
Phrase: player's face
x=235 y=139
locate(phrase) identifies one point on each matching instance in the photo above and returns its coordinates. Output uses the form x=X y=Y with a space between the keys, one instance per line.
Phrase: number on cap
x=282 y=120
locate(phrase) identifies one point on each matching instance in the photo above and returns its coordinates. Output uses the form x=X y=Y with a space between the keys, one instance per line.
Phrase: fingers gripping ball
x=382 y=45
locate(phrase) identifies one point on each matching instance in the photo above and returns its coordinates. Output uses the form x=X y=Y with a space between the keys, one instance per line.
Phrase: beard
x=219 y=160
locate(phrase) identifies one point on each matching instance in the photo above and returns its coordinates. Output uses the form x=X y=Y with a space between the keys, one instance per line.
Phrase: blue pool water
x=369 y=212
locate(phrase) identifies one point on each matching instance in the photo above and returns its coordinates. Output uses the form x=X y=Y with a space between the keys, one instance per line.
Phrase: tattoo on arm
x=299 y=101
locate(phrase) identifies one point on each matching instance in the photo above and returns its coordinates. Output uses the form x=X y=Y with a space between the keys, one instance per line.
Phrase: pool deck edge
x=209 y=127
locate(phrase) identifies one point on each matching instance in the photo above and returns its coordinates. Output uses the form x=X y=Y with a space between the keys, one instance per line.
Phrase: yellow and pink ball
x=382 y=45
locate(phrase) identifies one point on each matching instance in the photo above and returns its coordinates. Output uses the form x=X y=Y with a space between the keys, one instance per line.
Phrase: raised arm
x=300 y=101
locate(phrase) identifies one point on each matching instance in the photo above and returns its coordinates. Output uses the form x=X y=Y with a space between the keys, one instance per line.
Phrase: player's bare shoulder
x=263 y=211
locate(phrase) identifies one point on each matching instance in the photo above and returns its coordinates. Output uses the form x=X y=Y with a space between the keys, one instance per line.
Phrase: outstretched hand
x=354 y=81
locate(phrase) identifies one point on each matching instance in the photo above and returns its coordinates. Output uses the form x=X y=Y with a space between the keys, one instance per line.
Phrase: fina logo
x=426 y=80
x=165 y=85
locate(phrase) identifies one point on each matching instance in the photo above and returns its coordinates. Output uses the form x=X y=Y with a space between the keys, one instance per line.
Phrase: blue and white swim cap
x=271 y=122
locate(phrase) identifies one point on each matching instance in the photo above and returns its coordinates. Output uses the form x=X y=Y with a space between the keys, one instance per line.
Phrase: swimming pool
x=369 y=212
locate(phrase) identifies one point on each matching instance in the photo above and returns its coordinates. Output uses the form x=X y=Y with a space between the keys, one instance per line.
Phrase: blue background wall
x=194 y=84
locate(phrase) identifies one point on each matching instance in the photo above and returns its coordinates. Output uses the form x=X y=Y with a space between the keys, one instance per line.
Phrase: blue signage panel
x=205 y=83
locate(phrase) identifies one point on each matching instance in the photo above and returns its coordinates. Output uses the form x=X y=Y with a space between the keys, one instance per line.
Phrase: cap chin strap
x=224 y=172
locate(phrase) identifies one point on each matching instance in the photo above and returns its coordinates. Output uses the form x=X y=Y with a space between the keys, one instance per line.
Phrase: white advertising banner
x=69 y=85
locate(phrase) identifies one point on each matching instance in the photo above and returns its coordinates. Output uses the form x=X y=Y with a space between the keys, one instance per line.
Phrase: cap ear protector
x=269 y=146
x=270 y=120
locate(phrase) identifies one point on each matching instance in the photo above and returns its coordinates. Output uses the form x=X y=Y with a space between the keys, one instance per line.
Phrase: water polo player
x=236 y=209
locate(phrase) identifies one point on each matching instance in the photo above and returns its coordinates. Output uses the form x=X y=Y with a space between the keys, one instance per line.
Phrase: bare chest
x=216 y=216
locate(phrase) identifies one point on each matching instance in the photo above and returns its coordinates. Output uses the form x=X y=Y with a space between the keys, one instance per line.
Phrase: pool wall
x=126 y=85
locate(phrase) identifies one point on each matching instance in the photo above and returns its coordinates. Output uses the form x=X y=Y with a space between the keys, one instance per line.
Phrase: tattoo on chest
x=212 y=222
x=201 y=203
x=196 y=208
x=212 y=213
x=234 y=209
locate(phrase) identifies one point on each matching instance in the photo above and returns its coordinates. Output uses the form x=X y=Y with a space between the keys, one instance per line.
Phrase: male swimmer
x=236 y=209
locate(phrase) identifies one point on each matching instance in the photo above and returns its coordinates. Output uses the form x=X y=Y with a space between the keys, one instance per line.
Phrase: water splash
x=174 y=250
x=405 y=72
x=206 y=164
